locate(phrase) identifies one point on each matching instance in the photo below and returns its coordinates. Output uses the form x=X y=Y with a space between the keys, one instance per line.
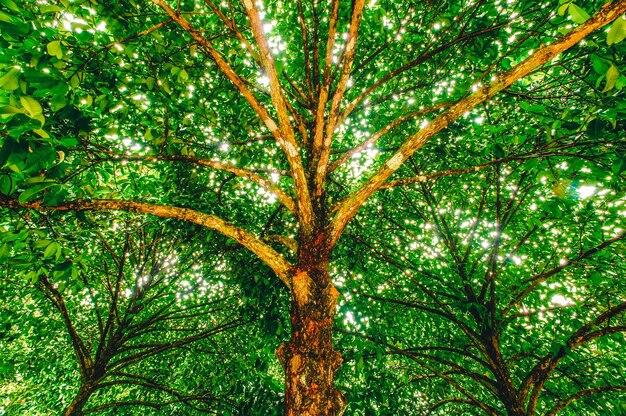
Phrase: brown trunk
x=507 y=392
x=514 y=408
x=78 y=404
x=309 y=359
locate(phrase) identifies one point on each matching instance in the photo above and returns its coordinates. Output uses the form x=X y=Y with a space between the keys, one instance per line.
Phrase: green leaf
x=617 y=32
x=166 y=86
x=619 y=167
x=58 y=103
x=9 y=81
x=280 y=66
x=8 y=109
x=34 y=109
x=55 y=195
x=51 y=250
x=561 y=189
x=40 y=158
x=41 y=133
x=68 y=142
x=7 y=150
x=6 y=184
x=39 y=244
x=10 y=4
x=596 y=128
x=600 y=65
x=30 y=193
x=63 y=266
x=7 y=18
x=556 y=348
x=498 y=151
x=612 y=75
x=31 y=277
x=54 y=49
x=577 y=14
x=360 y=364
x=50 y=9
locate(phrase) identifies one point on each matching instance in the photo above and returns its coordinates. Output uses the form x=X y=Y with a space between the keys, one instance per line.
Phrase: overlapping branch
x=289 y=144
x=251 y=175
x=350 y=205
x=412 y=64
x=324 y=88
x=350 y=50
x=380 y=133
x=264 y=252
x=533 y=383
x=581 y=394
x=284 y=133
x=537 y=279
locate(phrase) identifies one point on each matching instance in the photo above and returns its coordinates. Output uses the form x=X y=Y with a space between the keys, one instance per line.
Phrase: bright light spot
x=264 y=80
x=349 y=319
x=561 y=300
x=587 y=191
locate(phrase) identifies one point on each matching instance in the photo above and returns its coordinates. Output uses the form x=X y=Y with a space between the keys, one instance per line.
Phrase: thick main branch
x=263 y=251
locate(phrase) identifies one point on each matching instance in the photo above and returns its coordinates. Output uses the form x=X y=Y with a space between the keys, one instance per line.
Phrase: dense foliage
x=185 y=186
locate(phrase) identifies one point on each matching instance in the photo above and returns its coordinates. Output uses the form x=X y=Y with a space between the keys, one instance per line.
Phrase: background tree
x=274 y=124
x=511 y=292
x=129 y=306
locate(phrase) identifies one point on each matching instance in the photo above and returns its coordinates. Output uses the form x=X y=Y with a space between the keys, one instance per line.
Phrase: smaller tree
x=131 y=303
x=508 y=295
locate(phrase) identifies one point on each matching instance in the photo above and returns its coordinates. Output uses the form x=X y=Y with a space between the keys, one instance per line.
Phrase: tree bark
x=80 y=400
x=309 y=359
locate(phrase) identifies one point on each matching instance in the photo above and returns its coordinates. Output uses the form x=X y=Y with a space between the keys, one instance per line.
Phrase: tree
x=127 y=304
x=255 y=136
x=510 y=306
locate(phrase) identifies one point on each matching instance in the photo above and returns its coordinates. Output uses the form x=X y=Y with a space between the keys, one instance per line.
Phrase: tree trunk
x=507 y=392
x=80 y=400
x=309 y=359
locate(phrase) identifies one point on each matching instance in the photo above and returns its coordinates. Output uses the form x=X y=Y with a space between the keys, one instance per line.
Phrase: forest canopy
x=312 y=207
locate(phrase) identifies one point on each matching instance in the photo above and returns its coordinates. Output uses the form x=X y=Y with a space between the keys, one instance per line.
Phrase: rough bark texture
x=309 y=359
